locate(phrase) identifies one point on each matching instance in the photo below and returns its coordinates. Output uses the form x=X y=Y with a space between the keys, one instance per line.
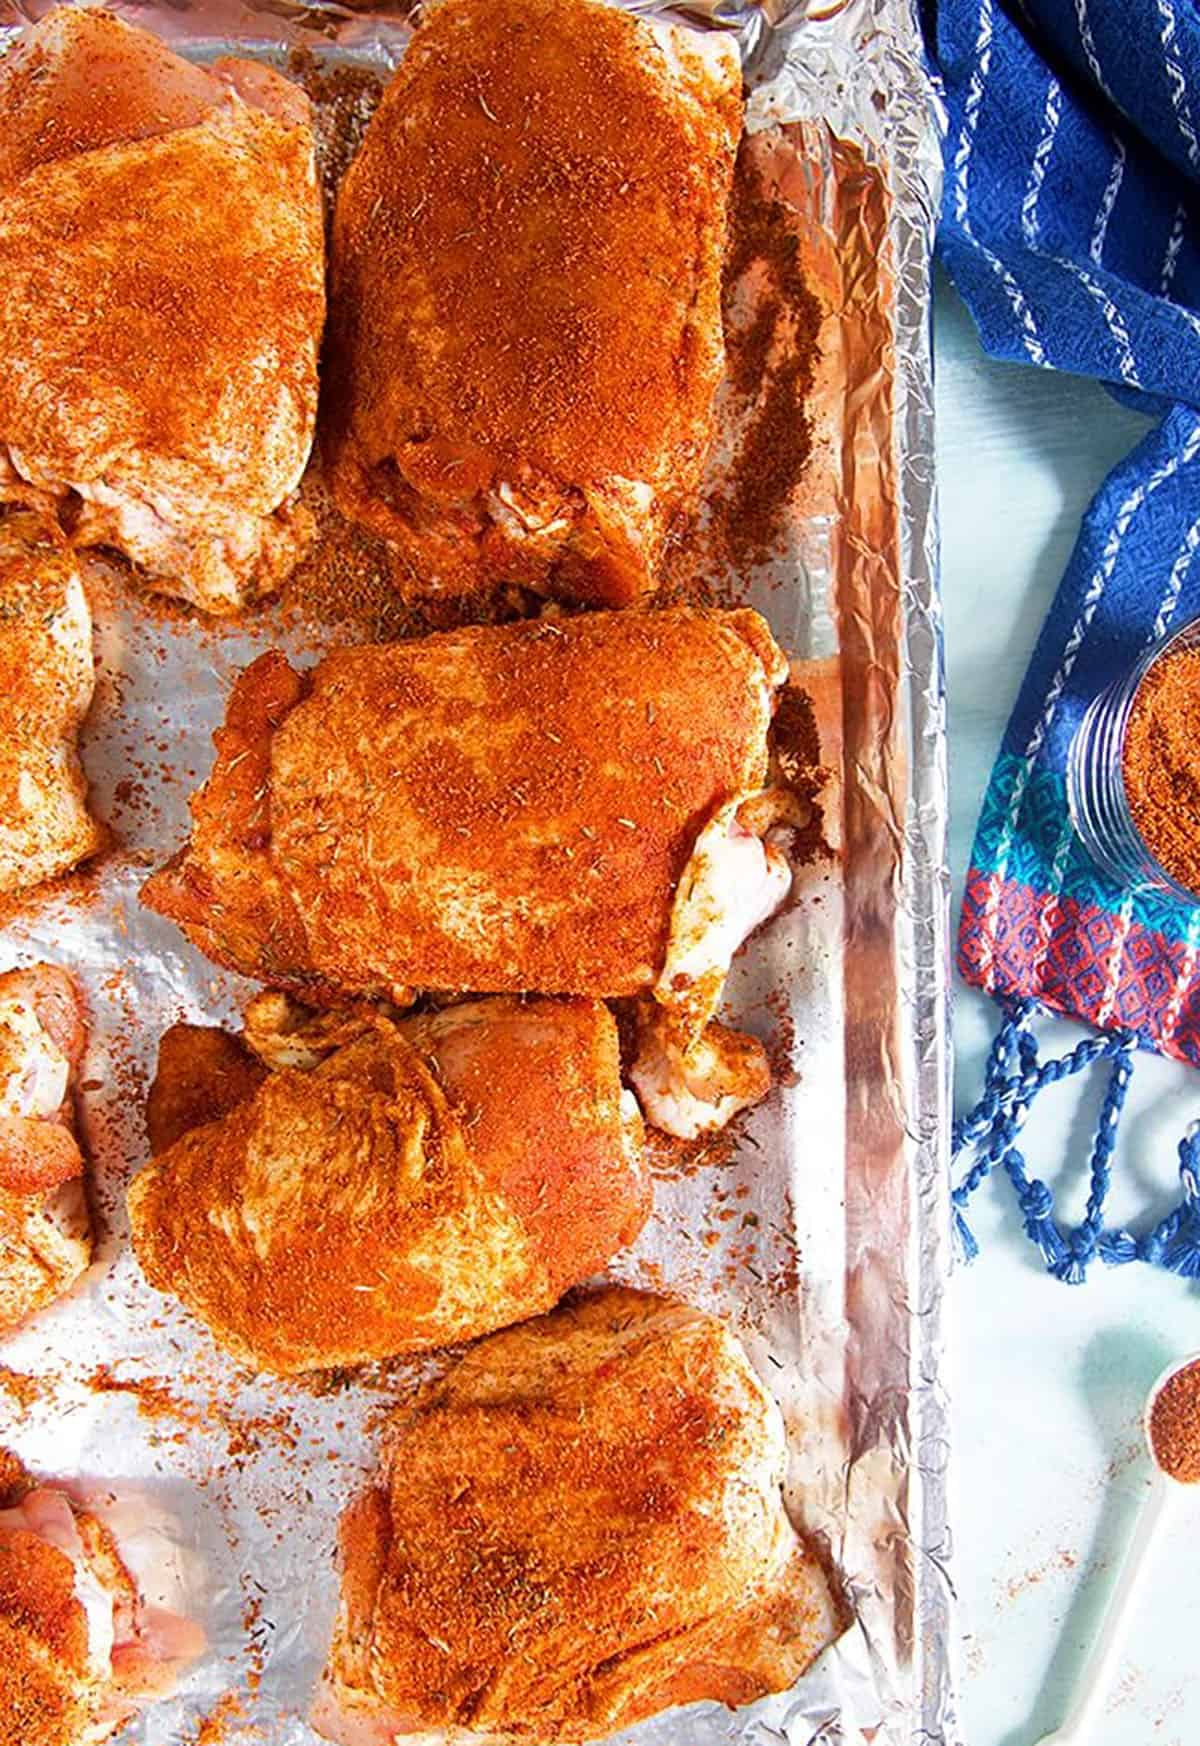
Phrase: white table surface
x=1048 y=1380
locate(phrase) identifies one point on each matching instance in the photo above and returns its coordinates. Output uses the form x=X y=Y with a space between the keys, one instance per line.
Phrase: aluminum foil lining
x=824 y=1237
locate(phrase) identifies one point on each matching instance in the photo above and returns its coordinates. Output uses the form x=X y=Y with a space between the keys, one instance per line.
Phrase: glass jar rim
x=1130 y=686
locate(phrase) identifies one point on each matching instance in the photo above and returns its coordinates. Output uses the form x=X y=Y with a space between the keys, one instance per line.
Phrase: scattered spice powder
x=213 y=1729
x=347 y=576
x=351 y=585
x=25 y=1390
x=1062 y=1562
x=1161 y=764
x=155 y=1400
x=670 y=1157
x=1175 y=1425
x=772 y=322
x=796 y=764
x=245 y=1433
x=344 y=99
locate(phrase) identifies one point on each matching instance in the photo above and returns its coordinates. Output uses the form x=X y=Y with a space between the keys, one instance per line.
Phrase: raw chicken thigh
x=81 y=1650
x=392 y=1184
x=525 y=331
x=46 y=679
x=45 y=1225
x=161 y=303
x=583 y=1524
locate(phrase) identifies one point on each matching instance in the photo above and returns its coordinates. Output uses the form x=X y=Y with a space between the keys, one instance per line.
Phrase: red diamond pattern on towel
x=1061 y=952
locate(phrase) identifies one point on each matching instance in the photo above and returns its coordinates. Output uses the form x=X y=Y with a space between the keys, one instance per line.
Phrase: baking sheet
x=822 y=1233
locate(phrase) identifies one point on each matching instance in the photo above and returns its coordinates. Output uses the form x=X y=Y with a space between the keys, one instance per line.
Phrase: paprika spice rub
x=1160 y=764
x=1175 y=1425
x=525 y=325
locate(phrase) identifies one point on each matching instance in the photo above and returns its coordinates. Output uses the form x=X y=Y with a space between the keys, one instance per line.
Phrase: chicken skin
x=45 y=1226
x=392 y=1186
x=46 y=679
x=80 y=1650
x=582 y=1525
x=161 y=302
x=525 y=296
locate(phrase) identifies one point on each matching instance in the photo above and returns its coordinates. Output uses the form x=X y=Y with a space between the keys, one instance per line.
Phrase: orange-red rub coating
x=426 y=1182
x=498 y=809
x=46 y=678
x=580 y=1526
x=71 y=1672
x=45 y=1226
x=525 y=331
x=202 y=1074
x=161 y=302
x=37 y=1594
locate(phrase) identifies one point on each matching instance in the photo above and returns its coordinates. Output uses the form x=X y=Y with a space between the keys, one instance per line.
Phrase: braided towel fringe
x=988 y=1134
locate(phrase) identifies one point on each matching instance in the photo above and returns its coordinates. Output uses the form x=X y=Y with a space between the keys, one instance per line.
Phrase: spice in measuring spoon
x=1161 y=764
x=1174 y=1425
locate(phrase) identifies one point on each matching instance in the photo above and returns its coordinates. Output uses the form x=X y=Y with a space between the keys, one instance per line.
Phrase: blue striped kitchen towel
x=1069 y=225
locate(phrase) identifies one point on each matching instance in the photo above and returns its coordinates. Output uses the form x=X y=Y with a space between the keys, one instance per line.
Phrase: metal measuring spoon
x=1166 y=1495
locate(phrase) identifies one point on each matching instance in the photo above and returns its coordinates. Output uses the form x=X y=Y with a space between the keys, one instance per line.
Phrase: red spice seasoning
x=344 y=99
x=26 y=1391
x=1175 y=1425
x=14 y=1479
x=1161 y=764
x=772 y=322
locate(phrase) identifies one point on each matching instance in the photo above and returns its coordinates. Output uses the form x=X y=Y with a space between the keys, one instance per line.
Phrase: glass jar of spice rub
x=1133 y=774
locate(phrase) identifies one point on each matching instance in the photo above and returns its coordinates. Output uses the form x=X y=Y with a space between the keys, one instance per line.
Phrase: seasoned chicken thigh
x=45 y=1226
x=46 y=678
x=501 y=808
x=390 y=1185
x=161 y=302
x=81 y=1651
x=566 y=807
x=581 y=1526
x=525 y=295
